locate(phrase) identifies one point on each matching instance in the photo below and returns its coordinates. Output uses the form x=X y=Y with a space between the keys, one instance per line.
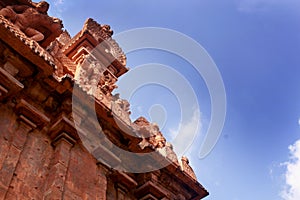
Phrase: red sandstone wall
x=41 y=156
x=31 y=168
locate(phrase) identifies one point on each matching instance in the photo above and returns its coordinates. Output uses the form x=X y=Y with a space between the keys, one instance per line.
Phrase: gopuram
x=63 y=134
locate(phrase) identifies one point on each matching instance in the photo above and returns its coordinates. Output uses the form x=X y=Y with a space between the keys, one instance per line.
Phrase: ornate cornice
x=33 y=45
x=101 y=33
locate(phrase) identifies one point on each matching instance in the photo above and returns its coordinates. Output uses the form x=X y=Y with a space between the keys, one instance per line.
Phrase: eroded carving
x=184 y=163
x=88 y=76
x=107 y=83
x=99 y=31
x=121 y=108
x=32 y=19
x=152 y=137
x=170 y=154
x=104 y=33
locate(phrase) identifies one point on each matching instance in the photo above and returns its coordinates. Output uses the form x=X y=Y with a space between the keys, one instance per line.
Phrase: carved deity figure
x=158 y=140
x=107 y=84
x=29 y=18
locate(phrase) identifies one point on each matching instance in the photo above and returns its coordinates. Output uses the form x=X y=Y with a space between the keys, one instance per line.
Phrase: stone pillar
x=8 y=87
x=62 y=135
x=102 y=173
x=12 y=157
x=58 y=172
x=29 y=119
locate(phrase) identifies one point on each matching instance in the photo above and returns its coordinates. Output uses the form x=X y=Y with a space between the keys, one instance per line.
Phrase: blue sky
x=255 y=45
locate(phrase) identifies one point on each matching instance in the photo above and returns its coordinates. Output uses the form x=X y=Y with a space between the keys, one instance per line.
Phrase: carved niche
x=93 y=78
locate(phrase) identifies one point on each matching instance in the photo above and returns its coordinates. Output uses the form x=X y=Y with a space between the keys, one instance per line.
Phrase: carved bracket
x=31 y=115
x=150 y=191
x=123 y=179
x=63 y=129
x=8 y=85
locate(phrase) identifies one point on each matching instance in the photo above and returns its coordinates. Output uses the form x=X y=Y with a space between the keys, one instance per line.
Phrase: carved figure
x=124 y=105
x=187 y=168
x=121 y=108
x=157 y=141
x=107 y=83
x=150 y=133
x=29 y=18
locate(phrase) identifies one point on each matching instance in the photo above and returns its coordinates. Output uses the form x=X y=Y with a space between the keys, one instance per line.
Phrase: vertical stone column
x=13 y=155
x=58 y=172
x=101 y=185
x=8 y=87
x=63 y=138
x=123 y=185
x=29 y=119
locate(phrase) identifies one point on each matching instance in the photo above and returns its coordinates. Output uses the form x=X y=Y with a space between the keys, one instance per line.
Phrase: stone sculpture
x=32 y=19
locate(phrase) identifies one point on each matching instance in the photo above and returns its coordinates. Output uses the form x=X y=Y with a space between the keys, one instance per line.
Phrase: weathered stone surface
x=32 y=19
x=52 y=148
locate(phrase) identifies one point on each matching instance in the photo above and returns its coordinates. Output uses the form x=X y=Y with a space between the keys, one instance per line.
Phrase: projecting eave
x=98 y=38
x=30 y=49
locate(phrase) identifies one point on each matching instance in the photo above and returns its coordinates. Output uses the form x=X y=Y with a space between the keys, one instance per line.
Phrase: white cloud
x=59 y=6
x=184 y=136
x=58 y=2
x=292 y=176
